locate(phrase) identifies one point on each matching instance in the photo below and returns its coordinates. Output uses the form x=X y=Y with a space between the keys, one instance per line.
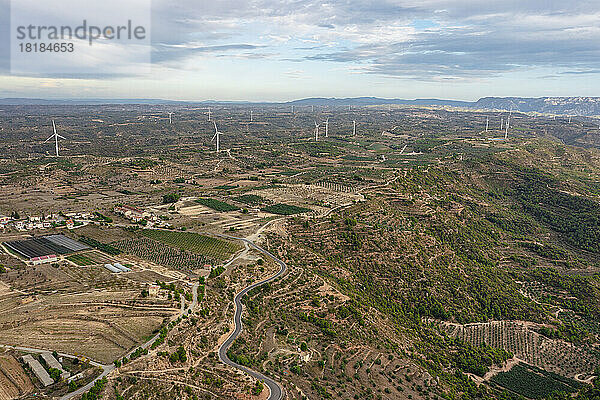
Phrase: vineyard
x=285 y=209
x=250 y=199
x=533 y=382
x=207 y=246
x=518 y=338
x=158 y=253
x=217 y=205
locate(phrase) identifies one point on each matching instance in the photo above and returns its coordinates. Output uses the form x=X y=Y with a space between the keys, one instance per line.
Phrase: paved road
x=274 y=388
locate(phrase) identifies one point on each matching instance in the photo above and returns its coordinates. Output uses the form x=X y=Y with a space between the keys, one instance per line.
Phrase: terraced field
x=526 y=344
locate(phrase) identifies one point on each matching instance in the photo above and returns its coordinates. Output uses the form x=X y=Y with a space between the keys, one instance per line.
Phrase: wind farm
x=180 y=203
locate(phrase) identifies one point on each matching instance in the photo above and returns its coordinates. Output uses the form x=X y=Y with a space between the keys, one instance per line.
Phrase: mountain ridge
x=577 y=106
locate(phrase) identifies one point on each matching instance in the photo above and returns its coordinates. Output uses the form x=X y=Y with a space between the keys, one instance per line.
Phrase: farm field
x=100 y=325
x=285 y=209
x=158 y=253
x=217 y=205
x=195 y=243
x=520 y=339
x=14 y=382
x=250 y=199
x=533 y=382
x=94 y=257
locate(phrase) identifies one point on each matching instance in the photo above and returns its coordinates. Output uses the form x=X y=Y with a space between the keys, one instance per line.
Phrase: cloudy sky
x=282 y=50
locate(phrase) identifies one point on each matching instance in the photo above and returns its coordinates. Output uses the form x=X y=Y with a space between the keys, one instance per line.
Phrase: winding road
x=276 y=392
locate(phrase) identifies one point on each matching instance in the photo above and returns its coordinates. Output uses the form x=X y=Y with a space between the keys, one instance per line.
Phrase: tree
x=171 y=198
x=73 y=386
x=54 y=374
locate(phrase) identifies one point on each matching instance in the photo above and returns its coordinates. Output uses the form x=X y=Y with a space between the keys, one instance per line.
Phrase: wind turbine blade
x=51 y=137
x=61 y=137
x=216 y=130
x=54 y=127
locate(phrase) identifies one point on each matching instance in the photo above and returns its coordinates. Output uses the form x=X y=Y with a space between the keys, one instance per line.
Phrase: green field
x=217 y=205
x=533 y=382
x=81 y=259
x=194 y=243
x=226 y=187
x=285 y=209
x=250 y=199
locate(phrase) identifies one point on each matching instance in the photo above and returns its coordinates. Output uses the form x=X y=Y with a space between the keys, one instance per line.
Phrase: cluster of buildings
x=137 y=216
x=40 y=372
x=70 y=220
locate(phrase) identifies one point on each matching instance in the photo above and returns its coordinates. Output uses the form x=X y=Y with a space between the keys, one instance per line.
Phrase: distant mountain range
x=583 y=106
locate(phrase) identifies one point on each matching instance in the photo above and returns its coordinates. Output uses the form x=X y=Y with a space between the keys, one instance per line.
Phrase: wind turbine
x=316 y=131
x=507 y=125
x=487 y=124
x=501 y=123
x=251 y=116
x=170 y=119
x=354 y=129
x=209 y=113
x=217 y=136
x=327 y=128
x=55 y=136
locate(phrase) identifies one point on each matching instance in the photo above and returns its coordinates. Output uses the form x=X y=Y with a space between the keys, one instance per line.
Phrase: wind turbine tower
x=327 y=128
x=170 y=119
x=354 y=128
x=217 y=136
x=487 y=124
x=54 y=136
x=316 y=131
x=209 y=114
x=507 y=125
x=251 y=116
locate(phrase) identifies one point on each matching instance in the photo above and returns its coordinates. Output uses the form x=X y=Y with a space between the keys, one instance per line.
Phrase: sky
x=267 y=50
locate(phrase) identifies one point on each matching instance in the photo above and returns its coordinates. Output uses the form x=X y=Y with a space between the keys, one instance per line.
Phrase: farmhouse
x=132 y=213
x=53 y=363
x=38 y=370
x=153 y=290
x=43 y=259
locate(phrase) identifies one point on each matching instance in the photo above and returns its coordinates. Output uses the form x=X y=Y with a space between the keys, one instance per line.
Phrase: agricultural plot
x=533 y=382
x=81 y=260
x=195 y=243
x=250 y=199
x=14 y=382
x=158 y=253
x=93 y=257
x=217 y=205
x=521 y=340
x=57 y=307
x=284 y=209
